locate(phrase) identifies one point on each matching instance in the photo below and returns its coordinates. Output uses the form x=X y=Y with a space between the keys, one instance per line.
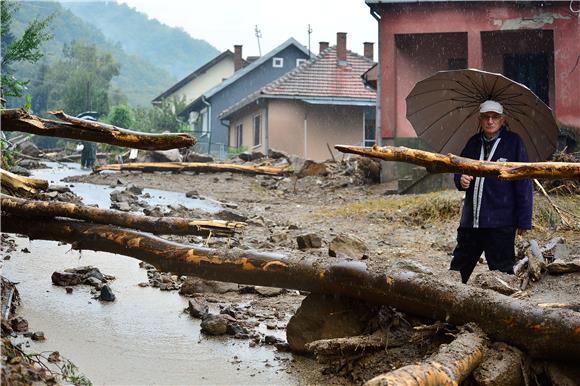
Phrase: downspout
x=305 y=135
x=205 y=102
x=378 y=128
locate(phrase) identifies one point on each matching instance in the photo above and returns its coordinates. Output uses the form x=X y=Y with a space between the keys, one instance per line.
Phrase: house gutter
x=209 y=128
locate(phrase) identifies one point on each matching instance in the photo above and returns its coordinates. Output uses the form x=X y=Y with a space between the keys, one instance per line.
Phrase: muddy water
x=142 y=338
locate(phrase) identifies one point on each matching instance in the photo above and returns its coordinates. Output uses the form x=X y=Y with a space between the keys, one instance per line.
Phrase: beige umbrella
x=444 y=111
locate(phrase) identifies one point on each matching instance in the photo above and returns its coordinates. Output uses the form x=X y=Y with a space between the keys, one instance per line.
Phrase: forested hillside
x=169 y=48
x=137 y=81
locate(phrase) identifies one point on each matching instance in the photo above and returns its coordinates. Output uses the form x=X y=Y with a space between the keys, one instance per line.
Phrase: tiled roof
x=322 y=78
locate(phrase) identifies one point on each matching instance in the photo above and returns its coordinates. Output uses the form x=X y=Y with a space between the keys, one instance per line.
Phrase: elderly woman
x=493 y=210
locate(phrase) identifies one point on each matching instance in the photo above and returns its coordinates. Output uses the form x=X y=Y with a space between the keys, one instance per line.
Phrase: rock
x=250 y=156
x=282 y=346
x=311 y=168
x=123 y=206
x=269 y=291
x=562 y=374
x=93 y=282
x=197 y=307
x=28 y=148
x=349 y=246
x=69 y=290
x=38 y=335
x=54 y=357
x=107 y=294
x=19 y=324
x=502 y=365
x=194 y=285
x=192 y=194
x=66 y=279
x=278 y=237
x=369 y=168
x=51 y=194
x=413 y=266
x=20 y=171
x=309 y=240
x=228 y=215
x=172 y=155
x=134 y=189
x=215 y=324
x=327 y=317
x=59 y=189
x=272 y=340
x=276 y=154
x=195 y=157
x=560 y=267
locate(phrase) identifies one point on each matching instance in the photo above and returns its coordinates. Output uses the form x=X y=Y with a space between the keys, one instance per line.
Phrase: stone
x=327 y=317
x=19 y=324
x=28 y=148
x=229 y=215
x=250 y=156
x=59 y=189
x=195 y=157
x=38 y=335
x=69 y=290
x=197 y=307
x=93 y=282
x=311 y=168
x=134 y=189
x=66 y=279
x=369 y=168
x=502 y=365
x=497 y=281
x=107 y=294
x=193 y=285
x=192 y=194
x=278 y=237
x=309 y=240
x=276 y=154
x=215 y=324
x=54 y=357
x=20 y=171
x=272 y=340
x=348 y=246
x=413 y=266
x=269 y=291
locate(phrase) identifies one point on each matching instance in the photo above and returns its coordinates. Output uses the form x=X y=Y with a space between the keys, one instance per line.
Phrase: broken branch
x=439 y=163
x=15 y=184
x=155 y=225
x=194 y=166
x=76 y=128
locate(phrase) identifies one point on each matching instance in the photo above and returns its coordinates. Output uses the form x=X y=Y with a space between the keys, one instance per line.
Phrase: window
x=257 y=129
x=239 y=135
x=278 y=62
x=369 y=122
x=300 y=61
x=201 y=123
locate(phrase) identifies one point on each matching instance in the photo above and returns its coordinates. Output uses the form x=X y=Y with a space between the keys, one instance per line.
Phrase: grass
x=415 y=209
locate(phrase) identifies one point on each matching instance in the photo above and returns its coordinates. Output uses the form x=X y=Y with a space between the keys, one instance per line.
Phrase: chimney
x=341 y=48
x=322 y=46
x=237 y=57
x=369 y=50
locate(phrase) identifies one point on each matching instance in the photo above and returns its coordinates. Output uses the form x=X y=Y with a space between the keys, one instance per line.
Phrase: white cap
x=491 y=106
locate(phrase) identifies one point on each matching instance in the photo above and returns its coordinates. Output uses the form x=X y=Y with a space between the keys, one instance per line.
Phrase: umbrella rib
x=458 y=126
x=528 y=135
x=467 y=104
x=533 y=122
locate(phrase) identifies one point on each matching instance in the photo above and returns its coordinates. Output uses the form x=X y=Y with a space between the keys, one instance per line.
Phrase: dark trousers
x=497 y=243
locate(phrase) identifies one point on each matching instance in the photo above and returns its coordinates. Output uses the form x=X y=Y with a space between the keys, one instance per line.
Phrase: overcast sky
x=224 y=23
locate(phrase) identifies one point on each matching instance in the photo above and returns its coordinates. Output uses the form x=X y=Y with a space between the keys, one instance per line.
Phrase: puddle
x=141 y=338
x=100 y=194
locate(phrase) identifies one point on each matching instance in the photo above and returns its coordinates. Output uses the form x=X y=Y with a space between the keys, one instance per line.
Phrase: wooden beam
x=148 y=167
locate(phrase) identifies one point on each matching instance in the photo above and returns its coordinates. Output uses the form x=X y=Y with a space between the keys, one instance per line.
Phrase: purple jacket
x=492 y=203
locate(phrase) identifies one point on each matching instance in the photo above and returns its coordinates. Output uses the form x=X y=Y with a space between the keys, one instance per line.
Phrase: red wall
x=400 y=67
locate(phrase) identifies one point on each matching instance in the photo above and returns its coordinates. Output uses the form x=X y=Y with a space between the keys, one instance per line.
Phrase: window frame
x=300 y=61
x=278 y=62
x=257 y=118
x=239 y=135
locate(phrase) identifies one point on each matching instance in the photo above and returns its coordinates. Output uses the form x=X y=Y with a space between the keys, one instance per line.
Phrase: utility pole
x=309 y=49
x=258 y=36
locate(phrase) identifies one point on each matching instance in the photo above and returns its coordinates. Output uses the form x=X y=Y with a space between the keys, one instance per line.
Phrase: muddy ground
x=414 y=231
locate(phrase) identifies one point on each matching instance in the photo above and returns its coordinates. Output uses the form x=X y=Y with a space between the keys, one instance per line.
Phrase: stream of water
x=143 y=337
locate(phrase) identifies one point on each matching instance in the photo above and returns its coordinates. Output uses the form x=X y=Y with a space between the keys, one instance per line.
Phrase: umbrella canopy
x=444 y=111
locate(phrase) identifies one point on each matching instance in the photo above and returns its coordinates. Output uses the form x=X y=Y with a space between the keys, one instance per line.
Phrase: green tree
x=24 y=49
x=121 y=116
x=164 y=118
x=82 y=79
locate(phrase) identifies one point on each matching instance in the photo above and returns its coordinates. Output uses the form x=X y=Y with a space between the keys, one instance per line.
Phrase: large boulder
x=327 y=317
x=172 y=155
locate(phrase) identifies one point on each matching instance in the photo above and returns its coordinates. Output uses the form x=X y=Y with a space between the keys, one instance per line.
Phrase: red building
x=535 y=43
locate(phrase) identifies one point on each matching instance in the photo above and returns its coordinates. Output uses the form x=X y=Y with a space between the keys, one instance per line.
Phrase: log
x=451 y=365
x=439 y=163
x=16 y=184
x=155 y=225
x=80 y=129
x=549 y=333
x=350 y=345
x=148 y=167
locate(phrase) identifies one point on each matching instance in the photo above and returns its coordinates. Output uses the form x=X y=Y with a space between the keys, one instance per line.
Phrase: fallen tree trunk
x=439 y=163
x=15 y=184
x=194 y=166
x=451 y=365
x=156 y=225
x=75 y=128
x=549 y=333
